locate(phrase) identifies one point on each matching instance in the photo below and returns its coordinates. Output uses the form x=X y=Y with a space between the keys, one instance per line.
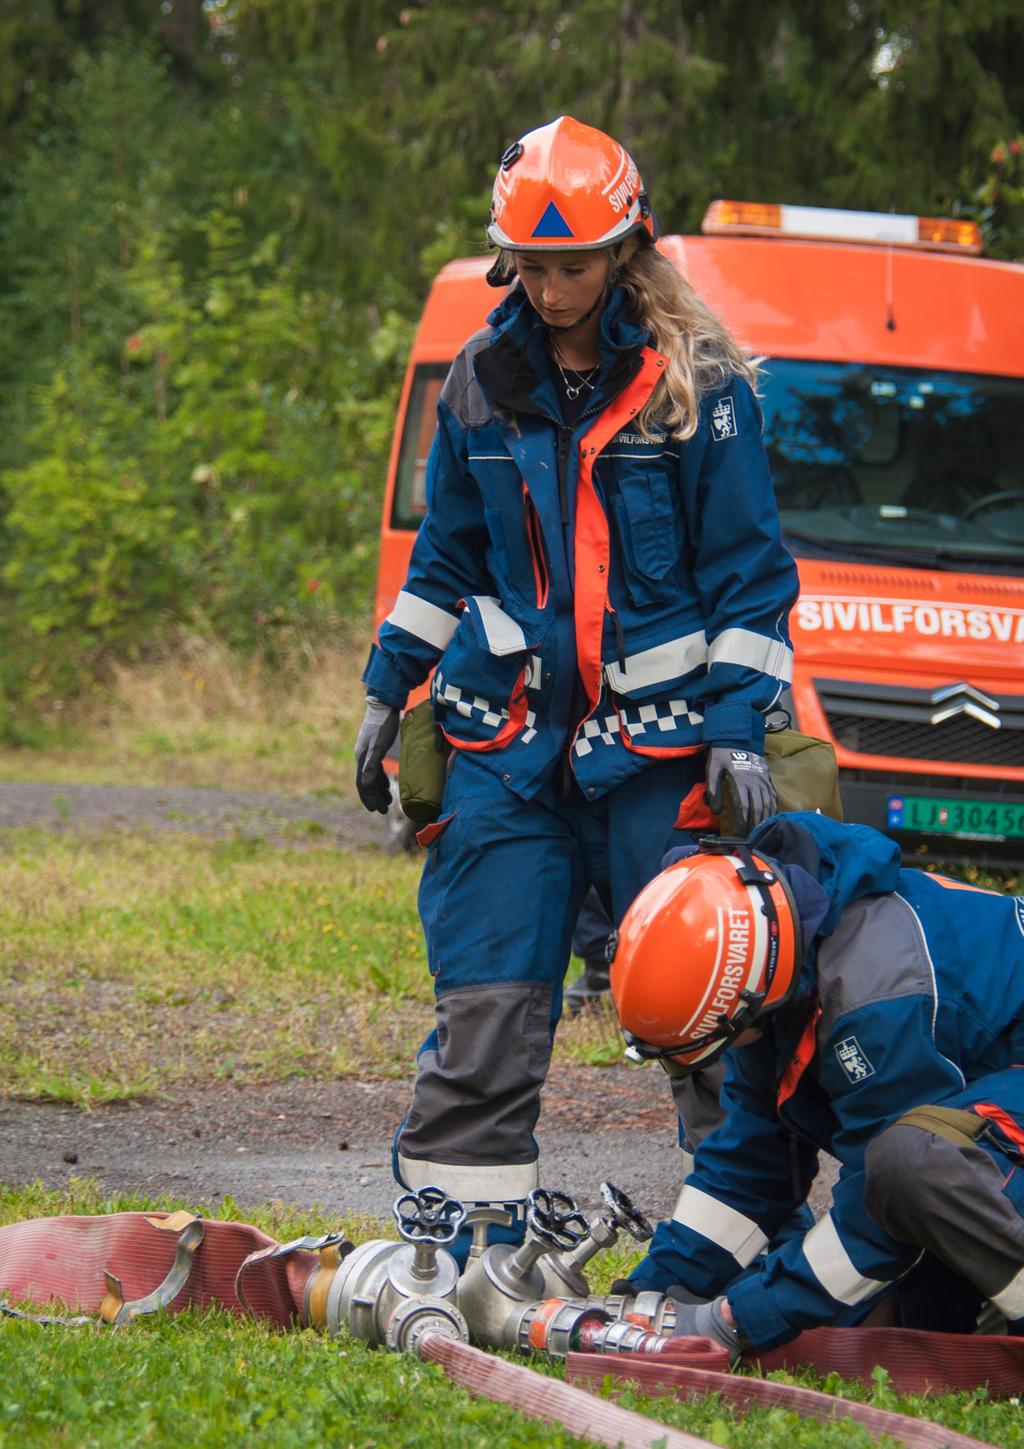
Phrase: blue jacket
x=912 y=989
x=588 y=587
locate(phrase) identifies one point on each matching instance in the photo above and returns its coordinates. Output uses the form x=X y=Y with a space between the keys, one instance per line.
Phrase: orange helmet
x=706 y=948
x=569 y=187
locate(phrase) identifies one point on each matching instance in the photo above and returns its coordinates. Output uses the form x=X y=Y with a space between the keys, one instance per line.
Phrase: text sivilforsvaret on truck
x=893 y=401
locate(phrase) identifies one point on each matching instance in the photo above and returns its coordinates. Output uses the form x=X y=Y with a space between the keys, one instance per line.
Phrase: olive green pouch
x=804 y=773
x=422 y=764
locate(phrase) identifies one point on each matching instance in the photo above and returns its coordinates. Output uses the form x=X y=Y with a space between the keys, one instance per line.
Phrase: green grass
x=212 y=1380
x=130 y=962
x=203 y=717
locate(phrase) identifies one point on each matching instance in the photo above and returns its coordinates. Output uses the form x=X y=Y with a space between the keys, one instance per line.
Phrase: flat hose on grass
x=658 y=1375
x=540 y=1397
x=65 y=1258
x=917 y=1361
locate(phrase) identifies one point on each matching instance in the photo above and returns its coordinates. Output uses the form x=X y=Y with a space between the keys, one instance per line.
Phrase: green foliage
x=209 y=441
x=213 y=1381
x=997 y=203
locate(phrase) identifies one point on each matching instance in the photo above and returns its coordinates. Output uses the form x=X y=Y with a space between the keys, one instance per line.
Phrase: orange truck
x=893 y=399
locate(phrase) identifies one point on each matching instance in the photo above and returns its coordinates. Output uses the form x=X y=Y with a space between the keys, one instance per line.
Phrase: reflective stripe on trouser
x=964 y=1202
x=500 y=893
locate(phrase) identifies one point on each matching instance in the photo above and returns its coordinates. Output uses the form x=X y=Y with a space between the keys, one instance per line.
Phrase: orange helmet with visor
x=708 y=947
x=567 y=187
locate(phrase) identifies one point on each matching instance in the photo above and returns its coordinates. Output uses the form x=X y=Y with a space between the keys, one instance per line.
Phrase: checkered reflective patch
x=723 y=420
x=667 y=715
x=645 y=719
x=598 y=729
x=853 y=1059
x=475 y=707
x=469 y=706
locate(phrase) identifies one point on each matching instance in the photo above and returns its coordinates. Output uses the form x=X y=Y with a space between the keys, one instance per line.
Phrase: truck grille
x=876 y=719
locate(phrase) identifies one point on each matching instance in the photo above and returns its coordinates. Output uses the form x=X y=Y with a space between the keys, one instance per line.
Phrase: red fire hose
x=548 y=1399
x=241 y=1268
x=659 y=1375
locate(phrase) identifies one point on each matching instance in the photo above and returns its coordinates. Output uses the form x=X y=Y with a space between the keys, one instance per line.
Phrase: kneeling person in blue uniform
x=873 y=1012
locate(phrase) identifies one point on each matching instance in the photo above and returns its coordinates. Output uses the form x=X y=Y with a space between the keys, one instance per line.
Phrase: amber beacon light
x=819 y=223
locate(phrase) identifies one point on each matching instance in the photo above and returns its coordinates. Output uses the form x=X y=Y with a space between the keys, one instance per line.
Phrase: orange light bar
x=948 y=234
x=820 y=223
x=751 y=217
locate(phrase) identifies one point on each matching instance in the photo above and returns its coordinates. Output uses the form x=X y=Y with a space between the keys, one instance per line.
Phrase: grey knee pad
x=900 y=1167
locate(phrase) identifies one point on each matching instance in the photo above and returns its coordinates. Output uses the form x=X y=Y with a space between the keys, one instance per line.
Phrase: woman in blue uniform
x=601 y=592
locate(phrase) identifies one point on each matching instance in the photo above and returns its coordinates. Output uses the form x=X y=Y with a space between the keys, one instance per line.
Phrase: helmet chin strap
x=571 y=326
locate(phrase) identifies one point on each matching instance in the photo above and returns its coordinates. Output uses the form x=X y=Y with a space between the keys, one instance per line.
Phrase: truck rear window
x=897 y=464
x=410 y=498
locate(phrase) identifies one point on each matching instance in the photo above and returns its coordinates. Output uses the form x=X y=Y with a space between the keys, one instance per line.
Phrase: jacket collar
x=513 y=369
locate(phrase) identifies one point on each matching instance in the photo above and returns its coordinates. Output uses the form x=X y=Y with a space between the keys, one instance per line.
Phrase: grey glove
x=748 y=778
x=376 y=736
x=705 y=1320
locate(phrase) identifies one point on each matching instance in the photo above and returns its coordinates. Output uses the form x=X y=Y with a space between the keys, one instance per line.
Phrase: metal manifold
x=391 y=1294
x=534 y=1297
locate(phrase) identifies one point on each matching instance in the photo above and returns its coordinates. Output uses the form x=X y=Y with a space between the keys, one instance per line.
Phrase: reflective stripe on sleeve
x=428 y=622
x=831 y=1265
x=1010 y=1300
x=504 y=636
x=753 y=651
x=659 y=665
x=738 y=1235
x=499 y=1182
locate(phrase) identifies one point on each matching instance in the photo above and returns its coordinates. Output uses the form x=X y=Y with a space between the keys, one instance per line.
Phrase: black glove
x=376 y=736
x=749 y=780
x=705 y=1320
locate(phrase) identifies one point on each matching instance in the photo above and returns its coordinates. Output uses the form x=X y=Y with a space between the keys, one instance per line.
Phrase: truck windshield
x=897 y=464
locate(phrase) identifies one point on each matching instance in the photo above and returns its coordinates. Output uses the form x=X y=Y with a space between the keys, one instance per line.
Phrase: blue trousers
x=590 y=937
x=501 y=890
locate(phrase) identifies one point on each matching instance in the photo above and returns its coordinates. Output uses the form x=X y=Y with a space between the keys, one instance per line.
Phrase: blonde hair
x=701 y=351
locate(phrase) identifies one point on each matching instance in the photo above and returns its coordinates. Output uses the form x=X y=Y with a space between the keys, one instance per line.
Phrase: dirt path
x=326 y=1142
x=279 y=819
x=329 y=1142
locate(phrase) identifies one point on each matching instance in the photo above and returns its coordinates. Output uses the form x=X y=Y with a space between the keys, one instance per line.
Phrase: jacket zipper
x=562 y=455
x=620 y=643
x=564 y=443
x=796 y=1134
x=535 y=543
x=565 y=438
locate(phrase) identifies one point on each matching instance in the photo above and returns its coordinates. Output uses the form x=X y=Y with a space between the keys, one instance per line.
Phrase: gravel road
x=197 y=812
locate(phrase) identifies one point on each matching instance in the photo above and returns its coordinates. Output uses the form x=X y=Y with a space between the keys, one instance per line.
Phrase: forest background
x=218 y=222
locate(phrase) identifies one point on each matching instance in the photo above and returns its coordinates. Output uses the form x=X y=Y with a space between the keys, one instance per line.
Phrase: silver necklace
x=583 y=379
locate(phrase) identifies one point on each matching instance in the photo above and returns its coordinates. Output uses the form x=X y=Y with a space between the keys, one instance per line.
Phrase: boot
x=590 y=986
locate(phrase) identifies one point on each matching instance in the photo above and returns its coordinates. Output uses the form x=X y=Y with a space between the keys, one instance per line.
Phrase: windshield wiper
x=940 y=558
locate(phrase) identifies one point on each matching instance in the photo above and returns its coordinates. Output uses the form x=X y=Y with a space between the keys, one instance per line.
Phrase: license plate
x=968 y=819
